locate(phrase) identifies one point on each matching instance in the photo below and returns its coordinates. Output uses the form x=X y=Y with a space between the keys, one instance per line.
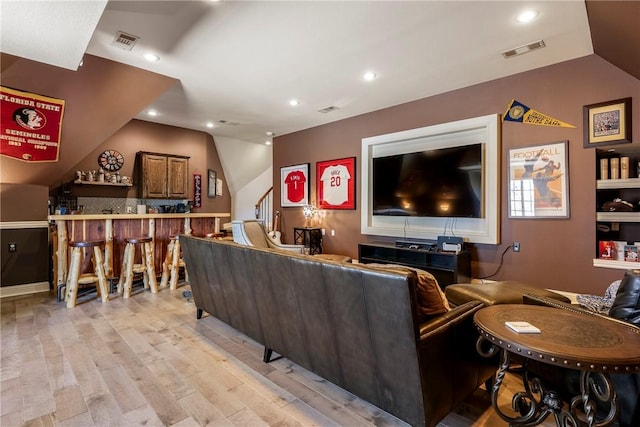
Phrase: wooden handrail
x=264 y=196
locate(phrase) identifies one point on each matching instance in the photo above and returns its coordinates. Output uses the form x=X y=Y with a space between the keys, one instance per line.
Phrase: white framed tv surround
x=484 y=130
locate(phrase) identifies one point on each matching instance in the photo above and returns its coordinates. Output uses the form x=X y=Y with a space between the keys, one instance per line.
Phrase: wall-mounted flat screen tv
x=444 y=182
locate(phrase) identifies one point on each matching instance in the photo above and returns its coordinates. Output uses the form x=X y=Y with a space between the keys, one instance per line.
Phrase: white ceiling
x=242 y=61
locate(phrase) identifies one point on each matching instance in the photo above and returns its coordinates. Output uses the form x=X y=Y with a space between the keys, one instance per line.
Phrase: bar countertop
x=79 y=217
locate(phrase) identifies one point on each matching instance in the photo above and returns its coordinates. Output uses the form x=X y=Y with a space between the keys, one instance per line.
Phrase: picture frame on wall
x=336 y=183
x=211 y=183
x=294 y=185
x=607 y=123
x=539 y=181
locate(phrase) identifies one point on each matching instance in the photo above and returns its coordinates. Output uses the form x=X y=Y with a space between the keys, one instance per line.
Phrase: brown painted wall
x=138 y=135
x=556 y=253
x=100 y=97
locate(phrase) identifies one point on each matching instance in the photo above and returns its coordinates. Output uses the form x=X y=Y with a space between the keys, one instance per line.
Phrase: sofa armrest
x=449 y=361
x=549 y=302
x=455 y=315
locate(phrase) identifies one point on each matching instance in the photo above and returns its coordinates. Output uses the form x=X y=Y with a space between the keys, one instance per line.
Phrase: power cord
x=499 y=266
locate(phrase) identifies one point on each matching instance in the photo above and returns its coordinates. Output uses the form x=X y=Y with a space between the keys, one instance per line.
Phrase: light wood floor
x=148 y=361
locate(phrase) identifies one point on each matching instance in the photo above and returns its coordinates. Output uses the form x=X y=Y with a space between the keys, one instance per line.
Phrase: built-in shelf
x=618 y=216
x=618 y=226
x=614 y=184
x=104 y=184
x=612 y=263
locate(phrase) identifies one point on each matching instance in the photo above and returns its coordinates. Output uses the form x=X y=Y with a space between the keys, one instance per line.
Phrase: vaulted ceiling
x=238 y=63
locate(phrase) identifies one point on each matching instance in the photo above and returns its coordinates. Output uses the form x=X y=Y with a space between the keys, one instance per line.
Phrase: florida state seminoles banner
x=31 y=126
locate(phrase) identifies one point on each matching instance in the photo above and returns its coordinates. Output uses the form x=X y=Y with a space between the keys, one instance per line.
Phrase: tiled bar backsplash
x=95 y=205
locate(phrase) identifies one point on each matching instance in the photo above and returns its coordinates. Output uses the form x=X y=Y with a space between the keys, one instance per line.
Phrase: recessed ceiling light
x=527 y=16
x=269 y=133
x=210 y=125
x=294 y=102
x=152 y=113
x=267 y=142
x=151 y=57
x=369 y=75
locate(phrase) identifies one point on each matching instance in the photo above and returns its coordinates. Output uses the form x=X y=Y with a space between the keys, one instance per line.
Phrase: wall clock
x=110 y=160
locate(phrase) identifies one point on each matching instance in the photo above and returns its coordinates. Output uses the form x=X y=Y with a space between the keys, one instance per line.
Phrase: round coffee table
x=594 y=345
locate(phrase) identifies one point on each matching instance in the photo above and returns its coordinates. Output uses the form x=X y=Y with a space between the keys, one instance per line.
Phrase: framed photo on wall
x=607 y=123
x=336 y=183
x=211 y=183
x=294 y=182
x=539 y=181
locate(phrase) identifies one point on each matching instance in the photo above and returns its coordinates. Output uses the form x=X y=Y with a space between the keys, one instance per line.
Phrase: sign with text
x=197 y=190
x=30 y=126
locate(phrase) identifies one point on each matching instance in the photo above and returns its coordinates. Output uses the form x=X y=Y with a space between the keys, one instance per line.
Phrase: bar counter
x=115 y=228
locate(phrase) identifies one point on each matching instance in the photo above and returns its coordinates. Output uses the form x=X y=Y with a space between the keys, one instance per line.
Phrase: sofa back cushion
x=626 y=306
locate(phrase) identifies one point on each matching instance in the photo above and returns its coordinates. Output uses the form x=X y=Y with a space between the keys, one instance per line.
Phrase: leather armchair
x=252 y=233
x=626 y=309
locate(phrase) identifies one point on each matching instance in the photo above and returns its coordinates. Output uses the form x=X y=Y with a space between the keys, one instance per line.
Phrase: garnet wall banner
x=30 y=126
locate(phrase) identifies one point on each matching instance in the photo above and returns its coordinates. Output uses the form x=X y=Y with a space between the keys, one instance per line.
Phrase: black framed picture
x=211 y=183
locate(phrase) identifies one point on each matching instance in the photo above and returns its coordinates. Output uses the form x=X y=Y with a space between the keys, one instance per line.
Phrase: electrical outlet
x=333 y=232
x=324 y=231
x=516 y=246
x=13 y=246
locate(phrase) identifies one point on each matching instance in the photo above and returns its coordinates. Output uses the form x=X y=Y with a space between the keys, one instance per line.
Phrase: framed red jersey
x=294 y=181
x=336 y=183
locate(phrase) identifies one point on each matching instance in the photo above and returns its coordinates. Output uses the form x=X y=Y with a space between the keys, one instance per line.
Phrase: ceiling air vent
x=228 y=123
x=124 y=41
x=328 y=109
x=523 y=49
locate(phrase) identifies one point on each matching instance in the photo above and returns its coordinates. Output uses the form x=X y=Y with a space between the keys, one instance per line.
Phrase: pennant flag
x=518 y=112
x=30 y=125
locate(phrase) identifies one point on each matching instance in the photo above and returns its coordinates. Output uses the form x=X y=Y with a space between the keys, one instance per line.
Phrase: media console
x=447 y=267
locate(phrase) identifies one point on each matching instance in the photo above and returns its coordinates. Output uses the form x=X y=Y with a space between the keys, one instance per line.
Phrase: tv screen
x=444 y=182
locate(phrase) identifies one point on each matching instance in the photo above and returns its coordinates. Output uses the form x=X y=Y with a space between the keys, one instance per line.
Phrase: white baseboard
x=27 y=288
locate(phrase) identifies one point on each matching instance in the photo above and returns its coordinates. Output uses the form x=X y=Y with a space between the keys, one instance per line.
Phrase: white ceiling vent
x=124 y=41
x=328 y=109
x=523 y=49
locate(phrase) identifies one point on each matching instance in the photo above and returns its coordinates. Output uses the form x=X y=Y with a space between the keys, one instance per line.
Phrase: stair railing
x=264 y=210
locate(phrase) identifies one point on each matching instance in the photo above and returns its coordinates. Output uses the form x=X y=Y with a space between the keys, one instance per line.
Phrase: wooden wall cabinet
x=163 y=176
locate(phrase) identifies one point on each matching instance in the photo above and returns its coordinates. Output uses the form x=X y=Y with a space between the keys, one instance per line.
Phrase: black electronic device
x=444 y=182
x=427 y=246
x=409 y=244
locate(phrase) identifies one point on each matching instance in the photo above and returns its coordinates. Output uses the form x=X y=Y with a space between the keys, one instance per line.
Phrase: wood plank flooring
x=147 y=361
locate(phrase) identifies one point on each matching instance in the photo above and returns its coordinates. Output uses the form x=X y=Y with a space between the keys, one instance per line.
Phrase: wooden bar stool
x=172 y=263
x=129 y=267
x=75 y=279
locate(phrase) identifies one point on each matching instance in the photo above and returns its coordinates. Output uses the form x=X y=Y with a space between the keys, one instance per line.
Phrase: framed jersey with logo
x=294 y=181
x=336 y=183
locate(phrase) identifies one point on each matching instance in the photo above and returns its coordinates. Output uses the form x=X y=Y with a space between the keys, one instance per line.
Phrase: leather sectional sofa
x=355 y=326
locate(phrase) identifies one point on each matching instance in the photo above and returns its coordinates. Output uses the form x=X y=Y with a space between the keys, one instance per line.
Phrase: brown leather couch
x=352 y=325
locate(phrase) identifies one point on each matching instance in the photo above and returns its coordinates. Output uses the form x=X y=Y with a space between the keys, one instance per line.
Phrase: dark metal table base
x=536 y=402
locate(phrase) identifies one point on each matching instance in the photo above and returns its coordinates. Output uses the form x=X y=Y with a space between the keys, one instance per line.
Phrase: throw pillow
x=431 y=299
